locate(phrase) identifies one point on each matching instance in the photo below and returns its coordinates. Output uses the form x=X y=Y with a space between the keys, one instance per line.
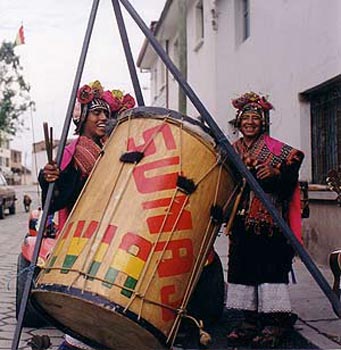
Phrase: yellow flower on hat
x=97 y=88
x=118 y=94
x=96 y=85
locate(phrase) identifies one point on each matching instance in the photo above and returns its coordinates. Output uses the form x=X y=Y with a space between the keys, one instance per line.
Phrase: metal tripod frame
x=221 y=139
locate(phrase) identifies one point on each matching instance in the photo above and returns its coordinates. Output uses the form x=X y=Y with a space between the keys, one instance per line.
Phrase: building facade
x=5 y=155
x=288 y=50
x=11 y=163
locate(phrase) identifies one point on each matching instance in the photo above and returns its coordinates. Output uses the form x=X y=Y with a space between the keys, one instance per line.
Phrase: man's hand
x=266 y=171
x=51 y=172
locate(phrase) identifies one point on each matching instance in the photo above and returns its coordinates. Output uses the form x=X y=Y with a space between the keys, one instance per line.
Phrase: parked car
x=7 y=197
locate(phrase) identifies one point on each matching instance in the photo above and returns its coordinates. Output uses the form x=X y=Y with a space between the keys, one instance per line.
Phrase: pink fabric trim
x=274 y=145
x=294 y=214
x=68 y=153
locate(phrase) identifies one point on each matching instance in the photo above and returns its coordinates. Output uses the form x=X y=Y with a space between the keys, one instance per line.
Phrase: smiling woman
x=93 y=108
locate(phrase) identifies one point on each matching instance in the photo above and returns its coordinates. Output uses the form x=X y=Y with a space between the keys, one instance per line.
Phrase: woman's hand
x=51 y=172
x=266 y=171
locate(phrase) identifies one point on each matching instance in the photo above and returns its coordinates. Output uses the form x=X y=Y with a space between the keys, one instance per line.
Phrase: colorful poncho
x=282 y=191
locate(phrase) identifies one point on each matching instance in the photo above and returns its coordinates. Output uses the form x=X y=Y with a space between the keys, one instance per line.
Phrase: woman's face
x=250 y=124
x=94 y=126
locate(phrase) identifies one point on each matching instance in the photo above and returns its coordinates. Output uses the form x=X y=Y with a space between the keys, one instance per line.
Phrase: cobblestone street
x=12 y=231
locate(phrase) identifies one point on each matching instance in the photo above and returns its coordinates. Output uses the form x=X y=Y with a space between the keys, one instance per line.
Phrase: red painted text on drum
x=175 y=216
x=132 y=251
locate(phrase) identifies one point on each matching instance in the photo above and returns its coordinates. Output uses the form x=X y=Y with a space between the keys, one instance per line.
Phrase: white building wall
x=173 y=86
x=201 y=57
x=293 y=46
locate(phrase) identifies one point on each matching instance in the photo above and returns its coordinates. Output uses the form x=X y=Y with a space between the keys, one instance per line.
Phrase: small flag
x=20 y=39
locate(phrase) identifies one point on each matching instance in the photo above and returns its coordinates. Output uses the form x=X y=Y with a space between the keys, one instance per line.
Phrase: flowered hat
x=92 y=96
x=250 y=101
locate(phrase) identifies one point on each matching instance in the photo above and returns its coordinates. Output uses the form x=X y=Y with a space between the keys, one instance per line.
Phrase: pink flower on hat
x=85 y=94
x=128 y=101
x=114 y=103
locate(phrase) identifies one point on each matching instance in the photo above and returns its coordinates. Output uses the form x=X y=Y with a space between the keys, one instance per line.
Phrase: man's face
x=250 y=124
x=95 y=124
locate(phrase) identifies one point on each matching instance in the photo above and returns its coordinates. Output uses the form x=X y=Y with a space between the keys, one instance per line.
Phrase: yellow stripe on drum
x=128 y=264
x=77 y=245
x=101 y=252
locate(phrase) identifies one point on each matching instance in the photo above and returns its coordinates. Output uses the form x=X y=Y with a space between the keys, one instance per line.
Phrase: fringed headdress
x=251 y=101
x=92 y=97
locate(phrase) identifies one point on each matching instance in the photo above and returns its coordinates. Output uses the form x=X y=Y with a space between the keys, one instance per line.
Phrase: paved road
x=13 y=229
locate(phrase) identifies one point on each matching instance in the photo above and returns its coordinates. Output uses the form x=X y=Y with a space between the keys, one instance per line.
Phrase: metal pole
x=127 y=51
x=236 y=161
x=28 y=284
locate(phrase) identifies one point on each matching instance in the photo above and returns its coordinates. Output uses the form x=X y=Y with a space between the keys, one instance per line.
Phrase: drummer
x=94 y=110
x=260 y=256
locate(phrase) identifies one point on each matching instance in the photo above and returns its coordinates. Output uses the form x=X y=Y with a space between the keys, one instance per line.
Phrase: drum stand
x=220 y=138
x=335 y=266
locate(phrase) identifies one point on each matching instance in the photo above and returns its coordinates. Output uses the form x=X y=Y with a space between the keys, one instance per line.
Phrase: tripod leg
x=335 y=266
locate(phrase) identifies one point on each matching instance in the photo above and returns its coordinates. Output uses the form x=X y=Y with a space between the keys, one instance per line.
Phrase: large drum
x=128 y=258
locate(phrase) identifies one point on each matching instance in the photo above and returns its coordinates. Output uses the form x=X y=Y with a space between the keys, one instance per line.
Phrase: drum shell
x=138 y=238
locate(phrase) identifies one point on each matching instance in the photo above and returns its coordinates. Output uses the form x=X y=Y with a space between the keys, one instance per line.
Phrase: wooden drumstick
x=234 y=209
x=51 y=142
x=48 y=141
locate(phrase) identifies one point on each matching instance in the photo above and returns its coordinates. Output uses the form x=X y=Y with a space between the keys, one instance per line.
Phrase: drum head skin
x=102 y=324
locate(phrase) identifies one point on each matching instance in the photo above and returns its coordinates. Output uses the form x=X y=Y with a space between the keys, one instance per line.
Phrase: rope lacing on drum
x=170 y=235
x=93 y=250
x=205 y=246
x=147 y=264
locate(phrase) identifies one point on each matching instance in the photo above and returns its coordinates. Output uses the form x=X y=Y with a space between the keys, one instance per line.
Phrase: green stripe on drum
x=129 y=283
x=51 y=263
x=93 y=270
x=68 y=263
x=110 y=277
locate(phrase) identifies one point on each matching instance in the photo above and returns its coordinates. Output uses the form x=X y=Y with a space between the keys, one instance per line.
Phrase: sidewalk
x=317 y=321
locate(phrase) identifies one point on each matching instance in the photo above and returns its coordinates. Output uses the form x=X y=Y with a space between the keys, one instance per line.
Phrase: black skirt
x=258 y=258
